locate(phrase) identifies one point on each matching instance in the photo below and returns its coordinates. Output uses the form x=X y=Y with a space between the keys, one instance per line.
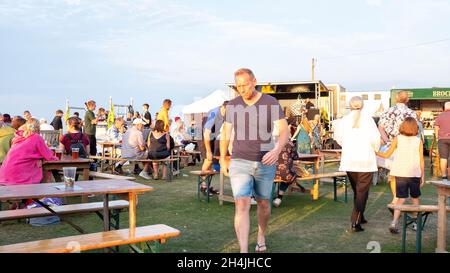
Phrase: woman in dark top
x=159 y=147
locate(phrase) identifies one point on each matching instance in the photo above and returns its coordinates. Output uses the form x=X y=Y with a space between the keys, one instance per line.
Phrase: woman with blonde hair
x=360 y=139
x=22 y=164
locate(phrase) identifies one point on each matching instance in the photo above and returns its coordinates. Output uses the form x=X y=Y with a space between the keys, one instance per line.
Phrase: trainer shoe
x=253 y=201
x=145 y=175
x=276 y=202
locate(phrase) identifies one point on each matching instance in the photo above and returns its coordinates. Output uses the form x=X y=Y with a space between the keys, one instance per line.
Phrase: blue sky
x=152 y=49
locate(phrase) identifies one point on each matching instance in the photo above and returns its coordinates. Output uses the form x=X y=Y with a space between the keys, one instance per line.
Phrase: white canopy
x=208 y=103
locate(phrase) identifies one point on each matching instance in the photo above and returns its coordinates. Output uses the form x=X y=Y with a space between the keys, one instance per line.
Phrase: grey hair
x=356 y=104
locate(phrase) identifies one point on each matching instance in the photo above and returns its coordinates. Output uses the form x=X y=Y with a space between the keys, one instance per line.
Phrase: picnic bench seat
x=115 y=206
x=336 y=177
x=84 y=242
x=423 y=211
x=168 y=161
x=110 y=176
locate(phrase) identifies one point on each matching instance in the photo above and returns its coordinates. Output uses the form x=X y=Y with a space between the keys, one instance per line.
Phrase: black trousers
x=92 y=145
x=360 y=182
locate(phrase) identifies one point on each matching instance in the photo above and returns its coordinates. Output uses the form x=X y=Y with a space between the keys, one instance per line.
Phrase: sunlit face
x=245 y=85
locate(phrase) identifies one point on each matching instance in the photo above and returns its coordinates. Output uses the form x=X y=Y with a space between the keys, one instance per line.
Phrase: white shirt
x=46 y=127
x=358 y=144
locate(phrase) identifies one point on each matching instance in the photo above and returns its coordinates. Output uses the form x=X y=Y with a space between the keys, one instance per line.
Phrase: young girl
x=407 y=167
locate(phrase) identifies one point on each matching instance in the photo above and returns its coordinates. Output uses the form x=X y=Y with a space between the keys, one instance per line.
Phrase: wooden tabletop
x=97 y=187
x=331 y=151
x=68 y=160
x=308 y=156
x=440 y=183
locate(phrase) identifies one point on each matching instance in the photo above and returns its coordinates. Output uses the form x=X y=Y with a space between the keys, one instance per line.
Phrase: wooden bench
x=169 y=161
x=204 y=176
x=110 y=176
x=336 y=176
x=423 y=211
x=115 y=206
x=158 y=233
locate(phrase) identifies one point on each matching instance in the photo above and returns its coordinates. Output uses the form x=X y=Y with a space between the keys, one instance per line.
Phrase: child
x=407 y=167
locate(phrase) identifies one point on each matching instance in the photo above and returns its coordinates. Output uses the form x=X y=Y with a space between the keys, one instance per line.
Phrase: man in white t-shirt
x=133 y=147
x=44 y=126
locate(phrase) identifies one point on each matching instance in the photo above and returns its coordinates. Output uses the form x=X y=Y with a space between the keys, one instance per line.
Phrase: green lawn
x=298 y=225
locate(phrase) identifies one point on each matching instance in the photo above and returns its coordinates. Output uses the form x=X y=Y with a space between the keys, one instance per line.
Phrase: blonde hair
x=356 y=104
x=31 y=126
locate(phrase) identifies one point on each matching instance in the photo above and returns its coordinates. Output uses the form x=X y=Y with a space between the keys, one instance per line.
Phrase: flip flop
x=260 y=248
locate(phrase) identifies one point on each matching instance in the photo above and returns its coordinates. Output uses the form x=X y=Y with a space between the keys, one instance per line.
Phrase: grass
x=298 y=225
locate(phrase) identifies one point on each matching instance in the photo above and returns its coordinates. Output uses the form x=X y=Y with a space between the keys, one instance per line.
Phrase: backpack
x=77 y=143
x=48 y=220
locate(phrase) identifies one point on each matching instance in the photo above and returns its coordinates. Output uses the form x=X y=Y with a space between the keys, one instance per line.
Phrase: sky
x=149 y=50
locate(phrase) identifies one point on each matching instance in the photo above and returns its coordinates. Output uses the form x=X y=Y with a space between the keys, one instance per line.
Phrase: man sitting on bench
x=133 y=147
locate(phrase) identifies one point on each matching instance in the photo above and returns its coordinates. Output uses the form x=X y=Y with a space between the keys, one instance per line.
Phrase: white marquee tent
x=208 y=103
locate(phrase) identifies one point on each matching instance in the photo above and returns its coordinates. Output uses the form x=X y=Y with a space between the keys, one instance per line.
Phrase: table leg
x=44 y=175
x=315 y=193
x=221 y=188
x=132 y=210
x=86 y=174
x=442 y=222
x=106 y=226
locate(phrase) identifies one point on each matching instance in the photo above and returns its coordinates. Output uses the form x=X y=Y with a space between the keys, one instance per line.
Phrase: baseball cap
x=138 y=121
x=177 y=119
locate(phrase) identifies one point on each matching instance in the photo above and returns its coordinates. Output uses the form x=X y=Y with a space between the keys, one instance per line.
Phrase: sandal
x=260 y=248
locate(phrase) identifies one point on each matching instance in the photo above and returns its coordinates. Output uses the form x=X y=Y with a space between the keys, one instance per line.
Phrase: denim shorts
x=251 y=178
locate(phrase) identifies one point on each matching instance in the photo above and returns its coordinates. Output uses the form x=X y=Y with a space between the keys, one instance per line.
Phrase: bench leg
x=405 y=220
x=335 y=188
x=208 y=186
x=419 y=233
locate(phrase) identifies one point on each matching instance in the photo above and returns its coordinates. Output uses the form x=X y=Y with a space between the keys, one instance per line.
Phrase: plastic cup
x=75 y=152
x=58 y=153
x=69 y=176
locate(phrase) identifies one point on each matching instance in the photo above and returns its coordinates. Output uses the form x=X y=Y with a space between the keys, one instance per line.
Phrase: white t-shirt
x=46 y=127
x=358 y=144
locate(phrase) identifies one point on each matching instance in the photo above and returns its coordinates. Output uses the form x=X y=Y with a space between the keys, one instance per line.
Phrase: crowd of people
x=249 y=139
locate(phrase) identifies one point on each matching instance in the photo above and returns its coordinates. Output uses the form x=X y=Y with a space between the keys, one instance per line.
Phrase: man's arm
x=383 y=133
x=224 y=142
x=207 y=142
x=272 y=157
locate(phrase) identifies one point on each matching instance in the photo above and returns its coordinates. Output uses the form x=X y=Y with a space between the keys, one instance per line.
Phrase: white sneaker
x=276 y=202
x=253 y=201
x=145 y=175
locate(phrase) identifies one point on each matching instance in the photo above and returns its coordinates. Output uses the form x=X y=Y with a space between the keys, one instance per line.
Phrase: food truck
x=288 y=93
x=430 y=102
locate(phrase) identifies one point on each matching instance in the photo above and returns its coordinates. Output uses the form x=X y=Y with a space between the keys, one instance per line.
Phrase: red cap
x=177 y=119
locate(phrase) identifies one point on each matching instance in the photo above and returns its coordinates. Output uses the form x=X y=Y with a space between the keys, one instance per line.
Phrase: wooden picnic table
x=66 y=161
x=443 y=190
x=313 y=158
x=104 y=147
x=125 y=189
x=332 y=152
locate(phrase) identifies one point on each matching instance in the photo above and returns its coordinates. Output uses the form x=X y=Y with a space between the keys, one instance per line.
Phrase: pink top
x=22 y=164
x=443 y=121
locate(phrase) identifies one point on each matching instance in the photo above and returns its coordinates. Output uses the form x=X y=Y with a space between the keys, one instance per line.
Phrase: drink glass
x=59 y=153
x=75 y=152
x=69 y=176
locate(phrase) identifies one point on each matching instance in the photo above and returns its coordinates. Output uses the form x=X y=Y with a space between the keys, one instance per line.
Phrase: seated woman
x=74 y=139
x=159 y=147
x=22 y=164
x=285 y=171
